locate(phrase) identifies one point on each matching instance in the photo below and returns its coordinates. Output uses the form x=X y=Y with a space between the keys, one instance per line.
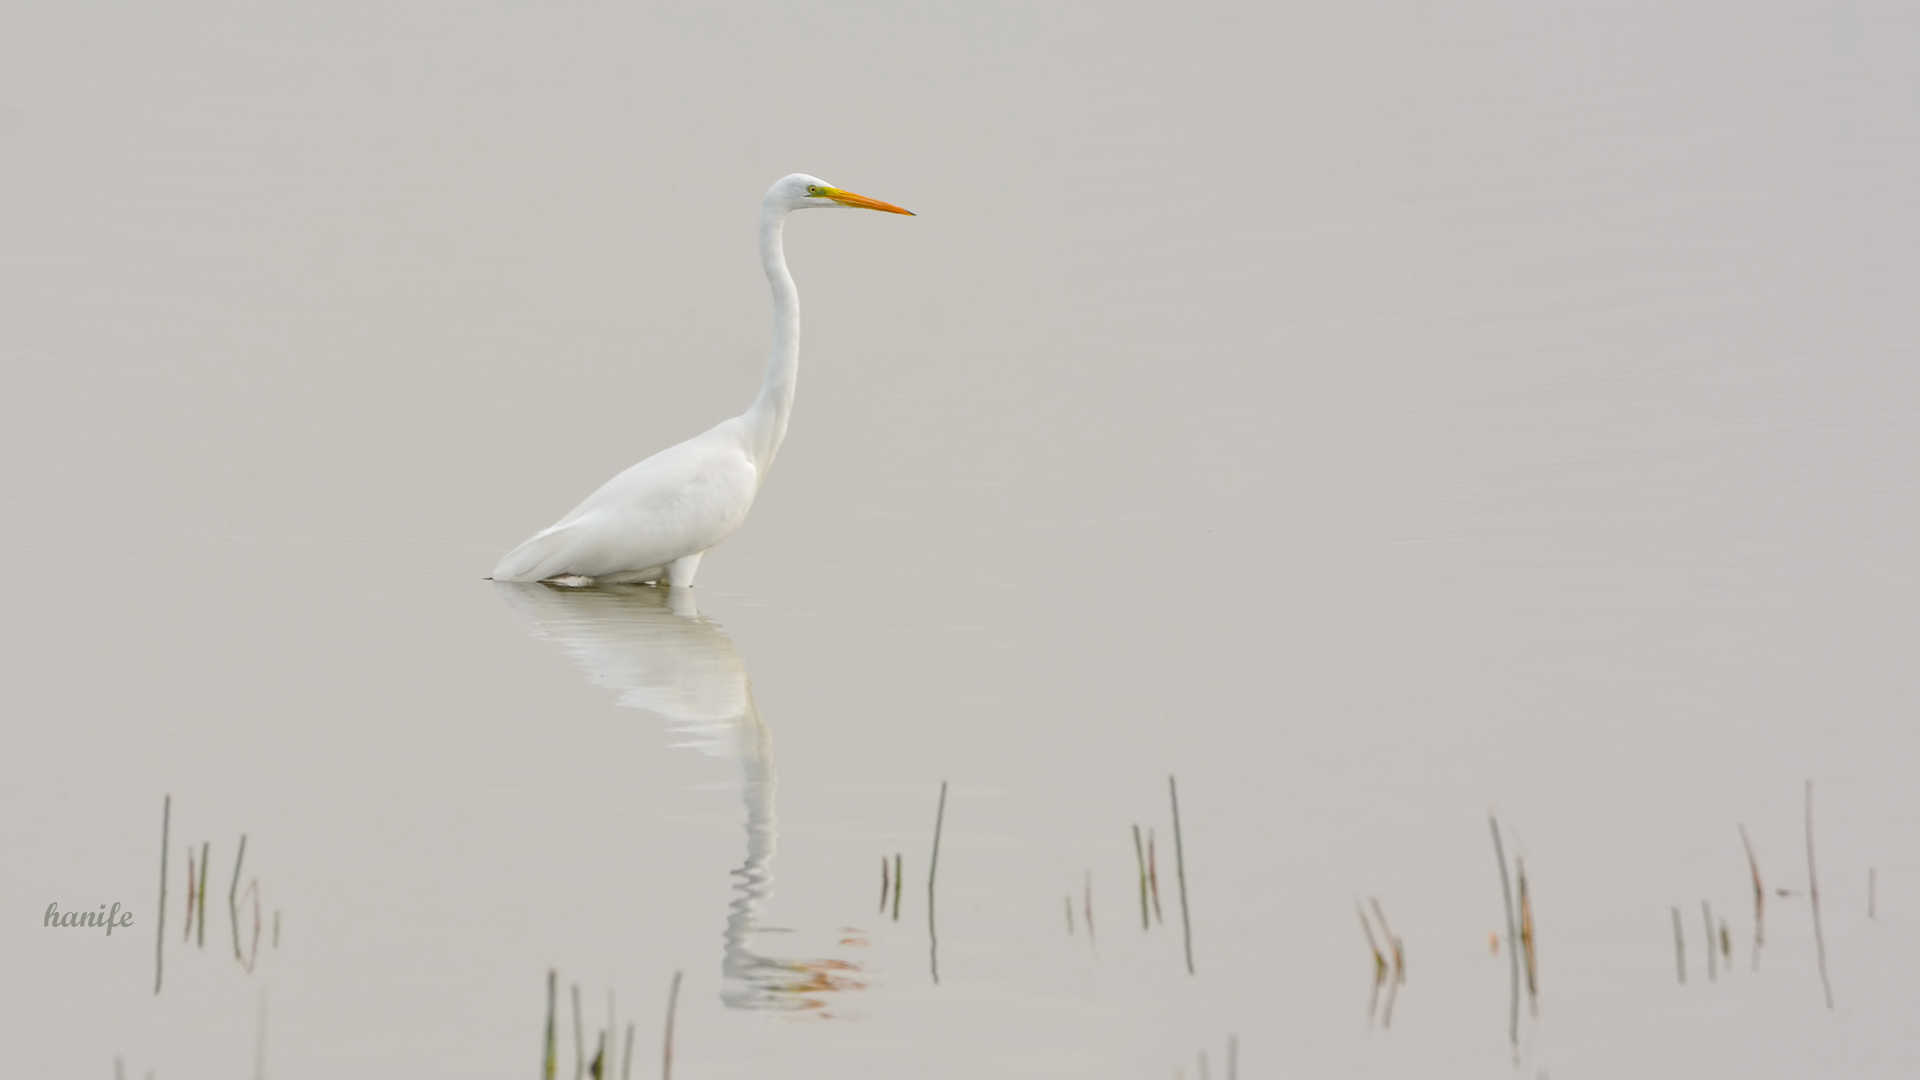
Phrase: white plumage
x=654 y=521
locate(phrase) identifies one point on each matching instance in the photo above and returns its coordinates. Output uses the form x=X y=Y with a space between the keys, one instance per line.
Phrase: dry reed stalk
x=160 y=950
x=933 y=868
x=188 y=934
x=1180 y=871
x=1153 y=879
x=233 y=896
x=1759 y=899
x=1813 y=892
x=1526 y=938
x=666 y=1051
x=1140 y=858
x=1679 y=948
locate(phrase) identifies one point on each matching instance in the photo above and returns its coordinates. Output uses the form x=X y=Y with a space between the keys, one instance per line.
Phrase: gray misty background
x=1378 y=415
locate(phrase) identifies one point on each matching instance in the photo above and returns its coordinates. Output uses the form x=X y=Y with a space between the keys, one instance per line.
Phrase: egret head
x=801 y=192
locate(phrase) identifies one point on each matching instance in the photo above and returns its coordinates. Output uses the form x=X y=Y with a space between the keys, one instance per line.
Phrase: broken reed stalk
x=1813 y=892
x=1679 y=948
x=898 y=879
x=160 y=950
x=1180 y=871
x=666 y=1051
x=1393 y=941
x=1140 y=857
x=1153 y=879
x=885 y=885
x=551 y=1050
x=1759 y=899
x=1706 y=917
x=233 y=895
x=1069 y=900
x=1513 y=928
x=200 y=915
x=1233 y=1057
x=933 y=868
x=1526 y=938
x=626 y=1057
x=1379 y=961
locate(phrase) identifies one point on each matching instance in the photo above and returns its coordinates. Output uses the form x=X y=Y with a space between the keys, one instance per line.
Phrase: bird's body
x=654 y=521
x=651 y=522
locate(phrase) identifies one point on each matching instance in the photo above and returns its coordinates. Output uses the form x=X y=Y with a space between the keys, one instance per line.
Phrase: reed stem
x=1759 y=899
x=933 y=868
x=666 y=1051
x=1679 y=948
x=1140 y=858
x=188 y=934
x=579 y=1038
x=1153 y=879
x=1180 y=870
x=550 y=1052
x=200 y=916
x=1706 y=918
x=1088 y=909
x=1513 y=931
x=1813 y=892
x=160 y=950
x=233 y=896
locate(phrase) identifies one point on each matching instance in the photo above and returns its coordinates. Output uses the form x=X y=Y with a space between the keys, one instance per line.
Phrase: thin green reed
x=549 y=1057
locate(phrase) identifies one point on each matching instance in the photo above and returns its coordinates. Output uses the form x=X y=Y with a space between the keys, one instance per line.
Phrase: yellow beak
x=848 y=198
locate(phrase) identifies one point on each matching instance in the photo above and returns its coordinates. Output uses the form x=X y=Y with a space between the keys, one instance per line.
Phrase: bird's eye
x=812 y=190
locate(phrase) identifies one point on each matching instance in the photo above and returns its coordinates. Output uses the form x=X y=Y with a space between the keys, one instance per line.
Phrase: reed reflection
x=652 y=646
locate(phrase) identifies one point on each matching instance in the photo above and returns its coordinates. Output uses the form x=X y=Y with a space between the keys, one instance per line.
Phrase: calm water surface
x=1380 y=419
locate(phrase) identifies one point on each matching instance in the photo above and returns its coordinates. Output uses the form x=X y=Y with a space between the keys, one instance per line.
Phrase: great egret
x=654 y=521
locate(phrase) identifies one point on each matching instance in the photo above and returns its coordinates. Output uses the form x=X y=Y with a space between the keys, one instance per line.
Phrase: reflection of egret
x=654 y=521
x=653 y=647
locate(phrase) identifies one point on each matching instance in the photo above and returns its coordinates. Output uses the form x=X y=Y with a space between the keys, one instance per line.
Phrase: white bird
x=654 y=521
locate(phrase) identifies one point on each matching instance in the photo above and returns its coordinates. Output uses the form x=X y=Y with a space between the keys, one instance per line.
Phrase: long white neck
x=767 y=419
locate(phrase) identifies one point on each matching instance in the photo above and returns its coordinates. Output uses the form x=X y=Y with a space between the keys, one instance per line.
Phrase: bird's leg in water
x=681 y=603
x=681 y=570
